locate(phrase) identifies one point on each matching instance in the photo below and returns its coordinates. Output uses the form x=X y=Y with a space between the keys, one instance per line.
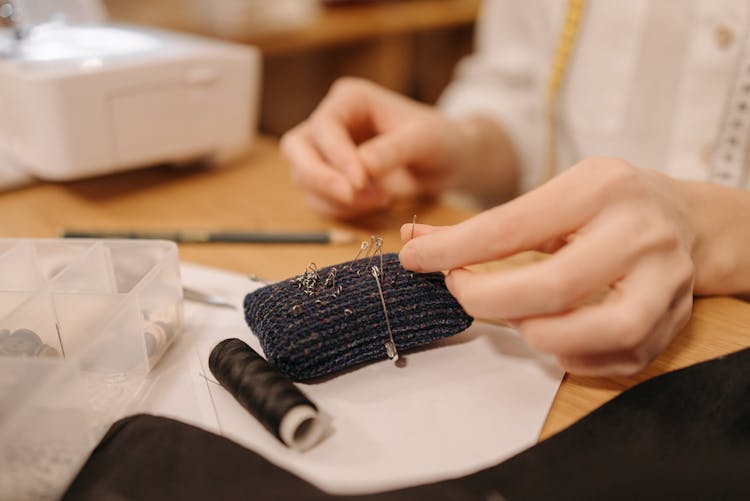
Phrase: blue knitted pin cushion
x=325 y=321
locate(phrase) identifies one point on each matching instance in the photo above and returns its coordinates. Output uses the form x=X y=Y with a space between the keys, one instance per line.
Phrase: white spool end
x=301 y=427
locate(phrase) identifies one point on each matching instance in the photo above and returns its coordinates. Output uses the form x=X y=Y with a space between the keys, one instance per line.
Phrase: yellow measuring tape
x=560 y=64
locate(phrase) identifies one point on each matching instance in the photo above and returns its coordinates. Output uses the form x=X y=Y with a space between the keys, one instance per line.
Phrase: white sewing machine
x=79 y=99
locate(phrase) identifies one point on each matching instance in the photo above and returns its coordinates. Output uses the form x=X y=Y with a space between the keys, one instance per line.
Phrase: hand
x=613 y=228
x=365 y=146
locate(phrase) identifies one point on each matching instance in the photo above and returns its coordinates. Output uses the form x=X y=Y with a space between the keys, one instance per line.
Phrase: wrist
x=719 y=219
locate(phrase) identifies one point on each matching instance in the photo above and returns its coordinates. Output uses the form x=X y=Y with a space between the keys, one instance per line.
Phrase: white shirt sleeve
x=503 y=80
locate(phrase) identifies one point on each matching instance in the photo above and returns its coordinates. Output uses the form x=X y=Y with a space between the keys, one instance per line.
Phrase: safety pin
x=362 y=247
x=377 y=247
x=390 y=345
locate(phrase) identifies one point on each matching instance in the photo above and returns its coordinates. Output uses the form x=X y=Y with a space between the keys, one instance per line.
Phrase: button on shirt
x=651 y=82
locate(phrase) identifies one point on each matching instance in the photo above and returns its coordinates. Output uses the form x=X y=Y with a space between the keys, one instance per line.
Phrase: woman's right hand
x=365 y=146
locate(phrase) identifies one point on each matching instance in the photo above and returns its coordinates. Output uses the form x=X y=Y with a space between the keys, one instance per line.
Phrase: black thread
x=261 y=389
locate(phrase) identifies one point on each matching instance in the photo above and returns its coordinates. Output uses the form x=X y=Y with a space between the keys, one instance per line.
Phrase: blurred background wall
x=410 y=46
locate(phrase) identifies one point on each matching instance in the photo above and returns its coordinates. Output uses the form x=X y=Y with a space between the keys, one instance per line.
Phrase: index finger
x=526 y=223
x=410 y=231
x=337 y=146
x=345 y=113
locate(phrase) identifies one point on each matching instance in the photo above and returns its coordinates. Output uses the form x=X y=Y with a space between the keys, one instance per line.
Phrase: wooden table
x=255 y=193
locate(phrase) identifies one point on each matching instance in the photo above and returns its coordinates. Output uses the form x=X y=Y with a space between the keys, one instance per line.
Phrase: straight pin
x=413 y=224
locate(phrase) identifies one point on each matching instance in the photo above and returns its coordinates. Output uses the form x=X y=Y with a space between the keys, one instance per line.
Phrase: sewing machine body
x=82 y=100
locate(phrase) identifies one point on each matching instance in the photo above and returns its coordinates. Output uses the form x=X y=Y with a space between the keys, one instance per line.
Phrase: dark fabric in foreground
x=683 y=435
x=323 y=323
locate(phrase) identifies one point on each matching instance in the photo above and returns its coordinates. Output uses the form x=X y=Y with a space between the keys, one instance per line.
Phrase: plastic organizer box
x=82 y=322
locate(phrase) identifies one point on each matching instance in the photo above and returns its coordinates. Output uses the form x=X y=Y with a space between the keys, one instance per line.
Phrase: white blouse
x=662 y=84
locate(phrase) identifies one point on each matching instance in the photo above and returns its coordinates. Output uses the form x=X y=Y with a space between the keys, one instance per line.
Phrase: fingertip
x=456 y=283
x=408 y=232
x=412 y=230
x=344 y=191
x=369 y=158
x=405 y=232
x=374 y=163
x=288 y=141
x=409 y=257
x=357 y=175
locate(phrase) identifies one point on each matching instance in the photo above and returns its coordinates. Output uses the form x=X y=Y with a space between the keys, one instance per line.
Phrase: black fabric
x=683 y=435
x=153 y=458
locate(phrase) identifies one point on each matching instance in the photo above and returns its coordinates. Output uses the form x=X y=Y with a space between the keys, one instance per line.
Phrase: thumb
x=399 y=148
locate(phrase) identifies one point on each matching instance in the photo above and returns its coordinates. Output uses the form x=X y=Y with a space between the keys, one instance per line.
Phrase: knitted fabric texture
x=328 y=320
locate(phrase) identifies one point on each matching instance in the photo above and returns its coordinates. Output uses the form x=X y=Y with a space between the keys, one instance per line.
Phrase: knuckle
x=558 y=287
x=659 y=235
x=612 y=174
x=602 y=164
x=498 y=233
x=655 y=232
x=630 y=329
x=619 y=175
x=666 y=233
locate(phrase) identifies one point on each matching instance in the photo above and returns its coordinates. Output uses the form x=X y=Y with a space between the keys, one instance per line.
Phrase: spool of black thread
x=268 y=394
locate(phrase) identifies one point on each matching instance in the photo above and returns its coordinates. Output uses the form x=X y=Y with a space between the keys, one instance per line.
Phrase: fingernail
x=359 y=179
x=405 y=232
x=367 y=158
x=344 y=191
x=370 y=161
x=409 y=258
